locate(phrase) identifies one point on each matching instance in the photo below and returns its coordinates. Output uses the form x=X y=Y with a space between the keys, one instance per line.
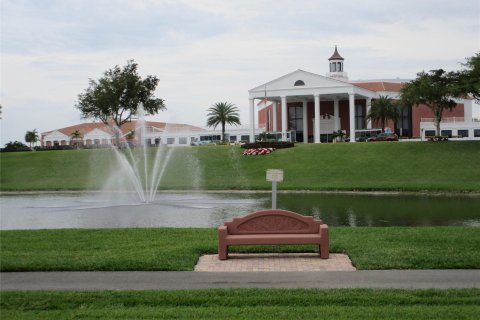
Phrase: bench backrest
x=273 y=221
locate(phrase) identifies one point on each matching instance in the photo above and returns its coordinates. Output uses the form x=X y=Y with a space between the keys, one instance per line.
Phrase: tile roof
x=380 y=86
x=85 y=128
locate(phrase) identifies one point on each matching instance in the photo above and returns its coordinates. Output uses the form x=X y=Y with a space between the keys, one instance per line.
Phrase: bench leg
x=324 y=242
x=222 y=252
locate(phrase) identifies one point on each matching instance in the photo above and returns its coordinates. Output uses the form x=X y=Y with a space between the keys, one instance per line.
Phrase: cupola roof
x=336 y=55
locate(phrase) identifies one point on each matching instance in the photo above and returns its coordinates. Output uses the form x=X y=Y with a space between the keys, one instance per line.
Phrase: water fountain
x=134 y=166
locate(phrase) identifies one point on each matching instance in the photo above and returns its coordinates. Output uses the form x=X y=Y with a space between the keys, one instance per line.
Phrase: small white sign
x=275 y=175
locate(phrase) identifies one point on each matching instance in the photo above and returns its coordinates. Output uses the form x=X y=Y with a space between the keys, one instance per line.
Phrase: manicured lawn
x=179 y=249
x=449 y=166
x=244 y=304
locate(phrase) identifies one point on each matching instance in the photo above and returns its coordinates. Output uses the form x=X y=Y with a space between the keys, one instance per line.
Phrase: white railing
x=444 y=120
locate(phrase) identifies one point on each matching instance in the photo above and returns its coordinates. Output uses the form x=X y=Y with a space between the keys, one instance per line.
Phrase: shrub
x=15 y=147
x=268 y=144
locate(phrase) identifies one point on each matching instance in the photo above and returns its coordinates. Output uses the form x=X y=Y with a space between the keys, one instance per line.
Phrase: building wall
x=423 y=111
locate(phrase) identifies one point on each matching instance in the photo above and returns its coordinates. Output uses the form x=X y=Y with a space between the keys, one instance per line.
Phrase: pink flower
x=257 y=151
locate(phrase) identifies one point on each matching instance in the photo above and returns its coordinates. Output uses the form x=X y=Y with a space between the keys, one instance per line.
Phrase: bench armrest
x=222 y=231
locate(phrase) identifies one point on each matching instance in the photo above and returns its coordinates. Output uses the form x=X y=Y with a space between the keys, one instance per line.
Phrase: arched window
x=299 y=83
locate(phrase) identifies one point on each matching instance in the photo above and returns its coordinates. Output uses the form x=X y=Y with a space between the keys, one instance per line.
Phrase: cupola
x=336 y=67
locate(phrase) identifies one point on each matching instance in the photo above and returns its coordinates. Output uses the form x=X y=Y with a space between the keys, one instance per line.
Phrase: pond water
x=118 y=210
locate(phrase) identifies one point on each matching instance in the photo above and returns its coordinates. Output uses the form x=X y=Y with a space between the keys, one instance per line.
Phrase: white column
x=274 y=107
x=369 y=106
x=467 y=111
x=284 y=118
x=305 y=122
x=317 y=119
x=351 y=107
x=252 y=120
x=335 y=115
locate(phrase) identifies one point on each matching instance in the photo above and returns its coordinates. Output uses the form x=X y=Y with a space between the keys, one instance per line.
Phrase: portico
x=311 y=105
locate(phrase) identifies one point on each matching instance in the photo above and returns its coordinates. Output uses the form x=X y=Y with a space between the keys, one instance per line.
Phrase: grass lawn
x=412 y=166
x=179 y=249
x=244 y=304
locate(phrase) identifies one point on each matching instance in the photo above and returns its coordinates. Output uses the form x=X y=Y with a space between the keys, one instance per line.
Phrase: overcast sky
x=207 y=51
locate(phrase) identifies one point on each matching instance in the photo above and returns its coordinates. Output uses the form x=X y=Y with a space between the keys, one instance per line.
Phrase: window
x=404 y=122
x=339 y=66
x=210 y=138
x=299 y=83
x=233 y=138
x=476 y=133
x=295 y=121
x=333 y=67
x=462 y=133
x=360 y=115
x=245 y=138
x=430 y=133
x=446 y=133
x=182 y=140
x=170 y=140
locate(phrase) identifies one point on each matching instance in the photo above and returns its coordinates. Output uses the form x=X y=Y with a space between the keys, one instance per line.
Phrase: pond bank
x=346 y=192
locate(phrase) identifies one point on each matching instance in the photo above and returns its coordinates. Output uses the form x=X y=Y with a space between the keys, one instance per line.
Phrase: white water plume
x=134 y=167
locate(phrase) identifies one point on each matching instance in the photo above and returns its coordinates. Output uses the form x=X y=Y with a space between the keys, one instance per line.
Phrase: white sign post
x=274 y=175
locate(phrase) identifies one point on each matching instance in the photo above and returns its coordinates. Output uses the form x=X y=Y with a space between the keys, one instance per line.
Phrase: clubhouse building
x=307 y=107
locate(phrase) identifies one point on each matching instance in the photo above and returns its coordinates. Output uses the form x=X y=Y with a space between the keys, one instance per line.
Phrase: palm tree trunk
x=223 y=131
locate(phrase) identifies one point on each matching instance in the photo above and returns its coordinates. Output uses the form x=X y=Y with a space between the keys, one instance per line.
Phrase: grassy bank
x=451 y=166
x=244 y=304
x=178 y=249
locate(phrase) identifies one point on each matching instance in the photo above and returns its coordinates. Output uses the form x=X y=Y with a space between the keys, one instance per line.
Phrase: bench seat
x=286 y=238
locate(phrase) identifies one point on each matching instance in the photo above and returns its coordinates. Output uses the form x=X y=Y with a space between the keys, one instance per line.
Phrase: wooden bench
x=272 y=227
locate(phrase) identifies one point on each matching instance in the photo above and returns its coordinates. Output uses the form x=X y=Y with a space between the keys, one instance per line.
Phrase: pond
x=118 y=210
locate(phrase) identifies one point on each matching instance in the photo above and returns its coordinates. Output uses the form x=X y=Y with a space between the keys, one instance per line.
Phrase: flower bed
x=257 y=151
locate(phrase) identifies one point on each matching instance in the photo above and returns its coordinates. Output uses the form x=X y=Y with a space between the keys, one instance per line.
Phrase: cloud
x=206 y=51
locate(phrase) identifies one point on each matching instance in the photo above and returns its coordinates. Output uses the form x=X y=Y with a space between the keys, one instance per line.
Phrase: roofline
x=396 y=80
x=262 y=86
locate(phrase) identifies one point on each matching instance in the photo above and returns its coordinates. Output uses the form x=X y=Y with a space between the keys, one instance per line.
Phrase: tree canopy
x=434 y=89
x=467 y=81
x=223 y=113
x=116 y=96
x=32 y=137
x=384 y=109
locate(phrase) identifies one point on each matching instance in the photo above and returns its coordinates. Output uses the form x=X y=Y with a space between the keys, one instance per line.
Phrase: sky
x=207 y=51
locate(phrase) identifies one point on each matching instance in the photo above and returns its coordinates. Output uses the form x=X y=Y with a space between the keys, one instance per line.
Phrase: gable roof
x=310 y=79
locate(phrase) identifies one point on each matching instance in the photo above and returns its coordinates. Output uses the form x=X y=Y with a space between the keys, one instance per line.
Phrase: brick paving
x=274 y=262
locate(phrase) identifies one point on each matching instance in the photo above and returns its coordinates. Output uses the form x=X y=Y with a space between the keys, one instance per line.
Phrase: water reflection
x=386 y=210
x=51 y=211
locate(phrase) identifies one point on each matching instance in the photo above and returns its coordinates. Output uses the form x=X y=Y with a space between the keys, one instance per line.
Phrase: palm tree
x=222 y=113
x=382 y=110
x=32 y=137
x=76 y=135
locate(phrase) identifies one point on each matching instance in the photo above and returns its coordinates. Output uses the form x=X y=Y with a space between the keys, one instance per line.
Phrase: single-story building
x=99 y=134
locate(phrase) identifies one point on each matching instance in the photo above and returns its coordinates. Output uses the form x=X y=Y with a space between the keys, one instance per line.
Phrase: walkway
x=404 y=279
